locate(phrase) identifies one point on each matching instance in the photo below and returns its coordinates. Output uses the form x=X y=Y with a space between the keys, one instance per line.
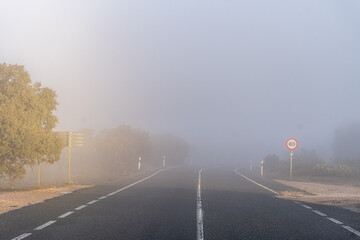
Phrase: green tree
x=26 y=123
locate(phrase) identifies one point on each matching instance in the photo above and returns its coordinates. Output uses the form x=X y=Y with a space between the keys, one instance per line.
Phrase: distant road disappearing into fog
x=180 y=203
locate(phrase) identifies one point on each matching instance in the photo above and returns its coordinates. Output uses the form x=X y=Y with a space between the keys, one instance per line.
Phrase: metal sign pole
x=291 y=157
x=69 y=162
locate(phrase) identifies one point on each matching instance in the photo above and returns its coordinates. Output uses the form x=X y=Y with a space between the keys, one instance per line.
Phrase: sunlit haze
x=233 y=78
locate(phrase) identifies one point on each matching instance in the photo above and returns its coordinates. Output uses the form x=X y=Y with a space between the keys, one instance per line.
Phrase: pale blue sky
x=241 y=74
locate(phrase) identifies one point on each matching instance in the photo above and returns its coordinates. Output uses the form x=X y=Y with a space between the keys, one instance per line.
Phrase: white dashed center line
x=22 y=236
x=319 y=213
x=334 y=220
x=199 y=211
x=66 y=214
x=45 y=225
x=306 y=206
x=93 y=201
x=81 y=207
x=352 y=230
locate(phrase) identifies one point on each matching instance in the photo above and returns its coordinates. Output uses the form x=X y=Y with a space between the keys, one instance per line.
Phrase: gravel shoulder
x=10 y=200
x=334 y=195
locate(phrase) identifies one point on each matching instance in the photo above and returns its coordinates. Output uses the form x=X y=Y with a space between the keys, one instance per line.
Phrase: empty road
x=180 y=203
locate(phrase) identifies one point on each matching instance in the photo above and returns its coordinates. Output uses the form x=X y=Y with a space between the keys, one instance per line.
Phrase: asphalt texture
x=163 y=206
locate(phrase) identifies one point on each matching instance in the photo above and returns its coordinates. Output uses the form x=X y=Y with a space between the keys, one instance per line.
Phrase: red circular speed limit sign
x=291 y=144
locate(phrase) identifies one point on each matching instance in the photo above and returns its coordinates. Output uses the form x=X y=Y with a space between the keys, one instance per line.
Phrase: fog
x=235 y=79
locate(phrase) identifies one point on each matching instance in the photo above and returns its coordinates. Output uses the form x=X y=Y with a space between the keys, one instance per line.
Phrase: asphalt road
x=178 y=204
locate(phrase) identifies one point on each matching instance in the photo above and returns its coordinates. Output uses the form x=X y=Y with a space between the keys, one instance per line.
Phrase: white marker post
x=291 y=144
x=164 y=161
x=139 y=164
x=262 y=168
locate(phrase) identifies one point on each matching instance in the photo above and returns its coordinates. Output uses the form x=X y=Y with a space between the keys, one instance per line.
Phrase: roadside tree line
x=27 y=137
x=115 y=152
x=27 y=123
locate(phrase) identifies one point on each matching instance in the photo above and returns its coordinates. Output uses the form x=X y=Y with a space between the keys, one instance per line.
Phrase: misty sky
x=236 y=77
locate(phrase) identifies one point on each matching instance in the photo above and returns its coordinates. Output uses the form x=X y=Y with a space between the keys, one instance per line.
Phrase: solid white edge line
x=45 y=225
x=199 y=210
x=103 y=197
x=335 y=221
x=319 y=213
x=22 y=236
x=137 y=182
x=66 y=214
x=80 y=207
x=91 y=202
x=352 y=230
x=269 y=189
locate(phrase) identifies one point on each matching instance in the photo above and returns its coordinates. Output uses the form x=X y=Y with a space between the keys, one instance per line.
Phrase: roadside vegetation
x=28 y=139
x=307 y=164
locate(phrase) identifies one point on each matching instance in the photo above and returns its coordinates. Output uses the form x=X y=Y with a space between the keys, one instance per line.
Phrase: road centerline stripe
x=269 y=189
x=66 y=214
x=352 y=230
x=334 y=220
x=306 y=206
x=92 y=202
x=45 y=225
x=319 y=213
x=199 y=211
x=80 y=207
x=22 y=236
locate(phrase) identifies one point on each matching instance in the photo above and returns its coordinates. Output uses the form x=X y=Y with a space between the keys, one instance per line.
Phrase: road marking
x=81 y=207
x=22 y=236
x=334 y=220
x=320 y=213
x=352 y=230
x=306 y=206
x=199 y=211
x=256 y=182
x=91 y=202
x=66 y=214
x=144 y=179
x=103 y=197
x=296 y=202
x=45 y=225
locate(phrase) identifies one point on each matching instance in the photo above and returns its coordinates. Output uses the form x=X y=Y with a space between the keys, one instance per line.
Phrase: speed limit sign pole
x=291 y=144
x=291 y=155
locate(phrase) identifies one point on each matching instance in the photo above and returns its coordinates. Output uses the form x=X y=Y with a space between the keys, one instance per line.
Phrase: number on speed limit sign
x=291 y=144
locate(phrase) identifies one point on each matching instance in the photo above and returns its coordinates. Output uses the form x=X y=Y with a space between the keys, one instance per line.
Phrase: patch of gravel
x=10 y=200
x=345 y=196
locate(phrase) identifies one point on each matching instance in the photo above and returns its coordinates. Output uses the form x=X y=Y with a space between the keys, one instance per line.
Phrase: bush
x=331 y=169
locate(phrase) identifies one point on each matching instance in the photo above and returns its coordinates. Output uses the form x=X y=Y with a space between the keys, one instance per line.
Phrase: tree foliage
x=121 y=147
x=27 y=121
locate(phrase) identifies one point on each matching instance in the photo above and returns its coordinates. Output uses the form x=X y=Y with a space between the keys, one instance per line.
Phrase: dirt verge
x=10 y=200
x=345 y=196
